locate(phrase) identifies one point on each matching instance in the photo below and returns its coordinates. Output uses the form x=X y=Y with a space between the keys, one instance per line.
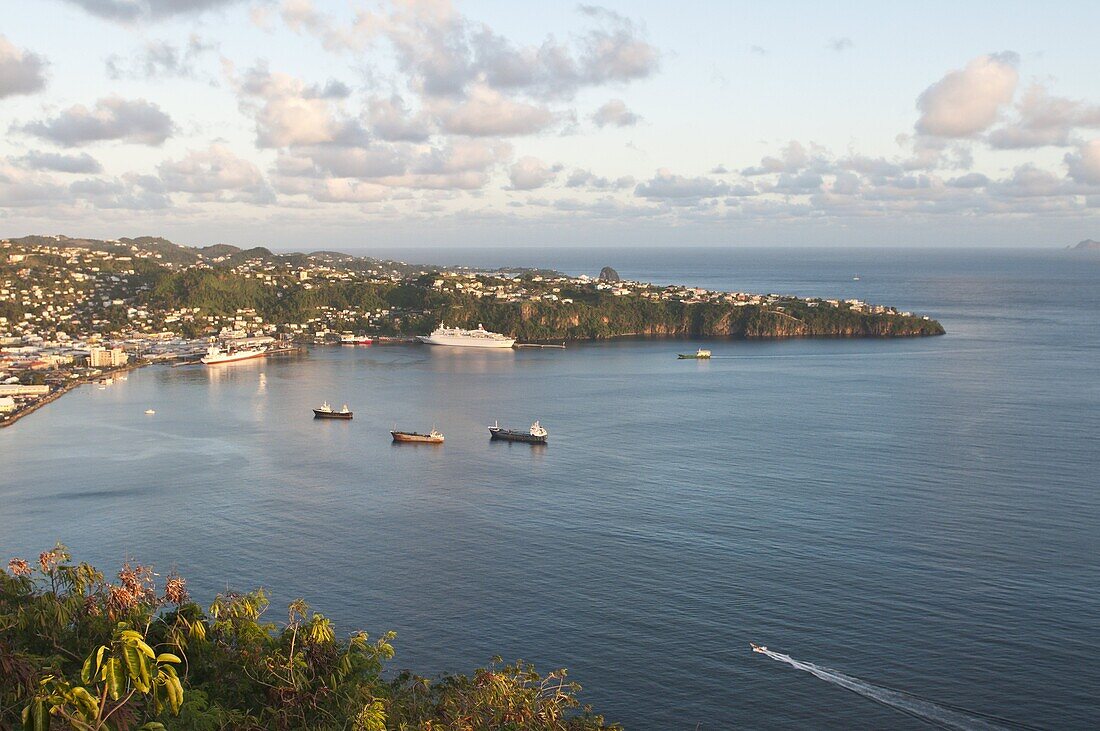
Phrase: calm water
x=921 y=514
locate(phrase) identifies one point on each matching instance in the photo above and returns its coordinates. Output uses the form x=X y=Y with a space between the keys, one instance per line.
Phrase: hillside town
x=79 y=310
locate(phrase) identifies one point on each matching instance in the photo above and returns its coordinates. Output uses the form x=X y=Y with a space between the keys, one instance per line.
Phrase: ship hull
x=234 y=358
x=507 y=435
x=318 y=414
x=466 y=342
x=414 y=438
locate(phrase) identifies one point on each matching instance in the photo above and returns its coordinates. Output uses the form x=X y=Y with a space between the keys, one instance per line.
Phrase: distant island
x=1086 y=244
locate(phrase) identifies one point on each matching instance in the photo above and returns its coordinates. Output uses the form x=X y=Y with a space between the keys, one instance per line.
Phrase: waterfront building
x=18 y=389
x=107 y=358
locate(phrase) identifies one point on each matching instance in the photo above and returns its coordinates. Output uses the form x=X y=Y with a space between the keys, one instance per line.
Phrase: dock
x=540 y=345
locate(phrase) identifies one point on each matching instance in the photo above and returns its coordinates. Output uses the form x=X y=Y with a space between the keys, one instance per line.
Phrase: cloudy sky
x=310 y=123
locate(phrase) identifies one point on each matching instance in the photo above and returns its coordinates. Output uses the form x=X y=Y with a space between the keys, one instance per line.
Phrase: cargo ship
x=432 y=437
x=327 y=412
x=215 y=355
x=699 y=354
x=456 y=336
x=536 y=435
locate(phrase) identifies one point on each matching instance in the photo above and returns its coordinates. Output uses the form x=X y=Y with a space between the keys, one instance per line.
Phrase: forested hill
x=575 y=313
x=152 y=285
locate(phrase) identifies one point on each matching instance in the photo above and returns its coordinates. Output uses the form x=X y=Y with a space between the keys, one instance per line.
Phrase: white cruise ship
x=215 y=355
x=480 y=338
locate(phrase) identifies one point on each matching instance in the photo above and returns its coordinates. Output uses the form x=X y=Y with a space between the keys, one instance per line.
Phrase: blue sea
x=921 y=515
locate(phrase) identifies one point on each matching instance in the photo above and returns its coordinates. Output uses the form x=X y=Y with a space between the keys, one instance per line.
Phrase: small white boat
x=150 y=412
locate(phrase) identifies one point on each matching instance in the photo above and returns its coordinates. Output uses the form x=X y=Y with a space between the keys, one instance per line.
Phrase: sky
x=308 y=124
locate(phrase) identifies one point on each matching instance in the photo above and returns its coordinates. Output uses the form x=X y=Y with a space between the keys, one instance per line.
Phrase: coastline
x=69 y=386
x=401 y=340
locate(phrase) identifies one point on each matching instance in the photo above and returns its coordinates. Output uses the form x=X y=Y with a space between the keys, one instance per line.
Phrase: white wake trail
x=924 y=710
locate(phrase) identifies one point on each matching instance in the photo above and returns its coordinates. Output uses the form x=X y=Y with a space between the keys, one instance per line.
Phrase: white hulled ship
x=480 y=338
x=216 y=355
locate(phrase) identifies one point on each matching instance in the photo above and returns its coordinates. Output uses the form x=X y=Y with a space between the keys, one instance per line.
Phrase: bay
x=921 y=514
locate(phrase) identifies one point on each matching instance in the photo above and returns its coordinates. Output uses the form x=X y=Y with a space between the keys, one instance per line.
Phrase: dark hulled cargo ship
x=327 y=412
x=536 y=434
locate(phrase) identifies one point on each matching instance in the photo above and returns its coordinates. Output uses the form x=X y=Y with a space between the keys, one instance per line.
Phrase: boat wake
x=940 y=715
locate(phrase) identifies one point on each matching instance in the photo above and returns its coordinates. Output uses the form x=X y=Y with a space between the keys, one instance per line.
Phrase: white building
x=104 y=358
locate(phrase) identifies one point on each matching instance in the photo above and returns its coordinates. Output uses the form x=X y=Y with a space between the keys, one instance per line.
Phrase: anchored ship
x=480 y=338
x=432 y=437
x=356 y=340
x=536 y=435
x=216 y=355
x=327 y=412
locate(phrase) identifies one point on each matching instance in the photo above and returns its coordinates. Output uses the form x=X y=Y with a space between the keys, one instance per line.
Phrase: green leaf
x=86 y=671
x=168 y=657
x=87 y=700
x=36 y=716
x=132 y=660
x=148 y=651
x=116 y=678
x=175 y=694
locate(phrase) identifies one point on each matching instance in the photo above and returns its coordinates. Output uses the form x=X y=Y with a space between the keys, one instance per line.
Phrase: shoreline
x=411 y=340
x=69 y=386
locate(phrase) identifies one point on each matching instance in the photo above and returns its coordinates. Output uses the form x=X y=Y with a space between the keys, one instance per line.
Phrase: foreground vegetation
x=79 y=651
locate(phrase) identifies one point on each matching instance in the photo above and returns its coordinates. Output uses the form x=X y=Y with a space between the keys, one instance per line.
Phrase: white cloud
x=1043 y=119
x=159 y=59
x=667 y=186
x=442 y=52
x=1084 y=165
x=793 y=158
x=21 y=72
x=289 y=112
x=61 y=163
x=134 y=10
x=966 y=101
x=391 y=120
x=615 y=113
x=215 y=173
x=113 y=118
x=529 y=173
x=580 y=178
x=487 y=112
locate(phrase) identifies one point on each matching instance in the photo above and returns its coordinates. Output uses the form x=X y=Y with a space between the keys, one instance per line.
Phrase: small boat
x=855 y=278
x=327 y=412
x=699 y=354
x=432 y=437
x=758 y=648
x=536 y=435
x=150 y=412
